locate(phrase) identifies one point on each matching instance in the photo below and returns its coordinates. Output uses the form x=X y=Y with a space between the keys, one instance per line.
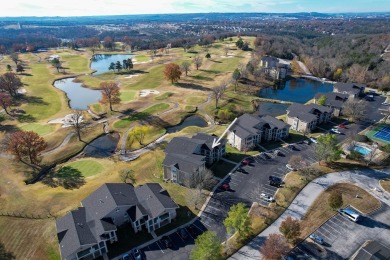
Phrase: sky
x=118 y=7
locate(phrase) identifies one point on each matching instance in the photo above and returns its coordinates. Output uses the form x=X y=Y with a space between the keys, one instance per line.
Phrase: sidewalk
x=366 y=179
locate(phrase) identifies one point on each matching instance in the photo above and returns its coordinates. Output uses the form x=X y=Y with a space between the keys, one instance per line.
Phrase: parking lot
x=181 y=247
x=343 y=237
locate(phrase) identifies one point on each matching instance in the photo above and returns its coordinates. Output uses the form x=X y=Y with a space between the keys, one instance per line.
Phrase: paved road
x=366 y=179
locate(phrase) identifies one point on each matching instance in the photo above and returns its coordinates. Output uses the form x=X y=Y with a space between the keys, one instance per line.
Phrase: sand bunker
x=146 y=92
x=66 y=121
x=131 y=76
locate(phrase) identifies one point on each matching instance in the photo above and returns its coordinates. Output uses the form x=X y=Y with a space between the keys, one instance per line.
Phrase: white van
x=350 y=214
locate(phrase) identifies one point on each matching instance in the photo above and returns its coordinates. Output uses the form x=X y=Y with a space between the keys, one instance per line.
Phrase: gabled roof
x=73 y=232
x=154 y=199
x=184 y=145
x=109 y=196
x=184 y=162
x=333 y=99
x=208 y=140
x=274 y=122
x=87 y=224
x=323 y=109
x=246 y=125
x=351 y=88
x=373 y=250
x=301 y=112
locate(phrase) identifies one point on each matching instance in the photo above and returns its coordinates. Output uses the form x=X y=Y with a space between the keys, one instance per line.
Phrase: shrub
x=335 y=200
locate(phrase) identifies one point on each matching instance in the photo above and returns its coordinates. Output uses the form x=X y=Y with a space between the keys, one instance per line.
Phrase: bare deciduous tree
x=77 y=122
x=185 y=66
x=355 y=109
x=274 y=247
x=218 y=92
x=198 y=61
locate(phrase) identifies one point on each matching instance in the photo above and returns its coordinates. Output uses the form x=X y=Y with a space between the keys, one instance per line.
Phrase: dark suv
x=275 y=181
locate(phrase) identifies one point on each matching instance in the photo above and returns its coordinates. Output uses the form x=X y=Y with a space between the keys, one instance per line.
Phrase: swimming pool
x=361 y=149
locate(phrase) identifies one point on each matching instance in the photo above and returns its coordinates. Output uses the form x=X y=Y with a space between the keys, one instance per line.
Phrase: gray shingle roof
x=208 y=140
x=301 y=112
x=246 y=125
x=154 y=199
x=333 y=99
x=184 y=145
x=85 y=225
x=351 y=88
x=274 y=122
x=184 y=162
x=73 y=232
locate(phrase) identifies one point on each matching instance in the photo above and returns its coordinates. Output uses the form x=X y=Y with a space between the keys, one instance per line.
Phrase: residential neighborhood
x=166 y=131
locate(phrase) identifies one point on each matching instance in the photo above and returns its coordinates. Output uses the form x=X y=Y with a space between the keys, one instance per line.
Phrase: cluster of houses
x=274 y=67
x=84 y=233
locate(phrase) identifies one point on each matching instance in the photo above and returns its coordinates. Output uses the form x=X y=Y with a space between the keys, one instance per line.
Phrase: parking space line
x=327 y=231
x=157 y=243
x=338 y=225
x=332 y=228
x=322 y=234
x=181 y=237
x=198 y=227
x=208 y=206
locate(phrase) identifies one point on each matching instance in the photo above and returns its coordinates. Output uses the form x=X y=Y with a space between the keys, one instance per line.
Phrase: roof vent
x=101 y=201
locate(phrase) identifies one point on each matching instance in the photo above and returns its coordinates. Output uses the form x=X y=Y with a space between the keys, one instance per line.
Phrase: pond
x=296 y=90
x=272 y=109
x=103 y=146
x=79 y=96
x=189 y=121
x=101 y=62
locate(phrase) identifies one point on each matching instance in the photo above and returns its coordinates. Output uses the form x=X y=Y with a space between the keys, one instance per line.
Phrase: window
x=117 y=210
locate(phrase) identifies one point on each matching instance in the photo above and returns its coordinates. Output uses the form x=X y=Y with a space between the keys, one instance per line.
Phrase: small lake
x=79 y=96
x=296 y=90
x=189 y=121
x=272 y=109
x=103 y=146
x=101 y=62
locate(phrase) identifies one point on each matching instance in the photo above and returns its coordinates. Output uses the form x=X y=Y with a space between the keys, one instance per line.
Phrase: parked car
x=136 y=254
x=335 y=130
x=317 y=239
x=386 y=103
x=290 y=167
x=225 y=186
x=246 y=162
x=267 y=156
x=291 y=147
x=275 y=181
x=166 y=242
x=342 y=126
x=277 y=152
x=266 y=197
x=239 y=169
x=126 y=257
x=307 y=141
x=183 y=233
x=313 y=140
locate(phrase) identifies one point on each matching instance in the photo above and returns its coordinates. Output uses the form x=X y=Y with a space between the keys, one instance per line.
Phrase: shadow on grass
x=26 y=118
x=212 y=71
x=131 y=72
x=4 y=254
x=191 y=86
x=67 y=177
x=199 y=77
x=33 y=100
x=9 y=128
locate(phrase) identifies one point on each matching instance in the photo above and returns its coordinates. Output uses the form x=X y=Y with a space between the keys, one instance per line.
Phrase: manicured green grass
x=75 y=63
x=195 y=100
x=152 y=135
x=164 y=96
x=151 y=79
x=89 y=81
x=87 y=167
x=235 y=155
x=38 y=128
x=141 y=58
x=127 y=95
x=44 y=99
x=124 y=123
x=96 y=108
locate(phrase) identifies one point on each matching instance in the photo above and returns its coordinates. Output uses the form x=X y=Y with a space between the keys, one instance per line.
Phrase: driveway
x=366 y=179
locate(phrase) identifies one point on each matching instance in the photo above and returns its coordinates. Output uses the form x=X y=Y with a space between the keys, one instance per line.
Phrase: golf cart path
x=365 y=179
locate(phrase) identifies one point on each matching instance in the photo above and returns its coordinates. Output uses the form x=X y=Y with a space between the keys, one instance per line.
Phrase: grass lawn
x=385 y=183
x=44 y=100
x=127 y=95
x=164 y=96
x=141 y=58
x=76 y=63
x=235 y=155
x=151 y=79
x=90 y=81
x=124 y=123
x=150 y=137
x=87 y=167
x=195 y=100
x=222 y=168
x=320 y=209
x=39 y=129
x=96 y=108
x=29 y=238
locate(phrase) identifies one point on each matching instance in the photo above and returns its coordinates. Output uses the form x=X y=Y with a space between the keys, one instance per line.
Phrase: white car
x=266 y=197
x=386 y=103
x=313 y=140
x=317 y=239
x=290 y=167
x=335 y=130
